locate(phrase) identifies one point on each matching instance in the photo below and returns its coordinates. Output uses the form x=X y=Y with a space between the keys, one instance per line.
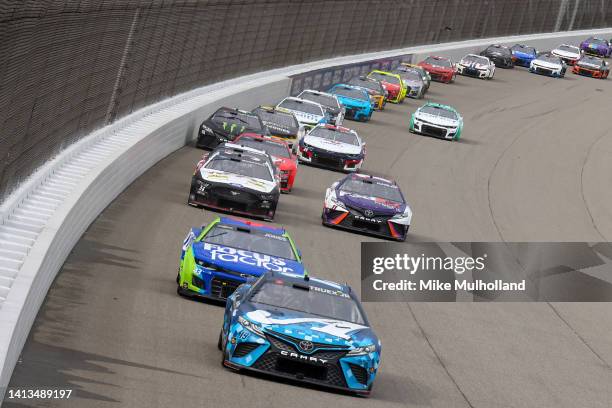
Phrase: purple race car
x=367 y=204
x=596 y=46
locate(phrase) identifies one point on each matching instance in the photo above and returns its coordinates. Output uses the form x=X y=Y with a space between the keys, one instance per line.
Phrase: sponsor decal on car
x=227 y=254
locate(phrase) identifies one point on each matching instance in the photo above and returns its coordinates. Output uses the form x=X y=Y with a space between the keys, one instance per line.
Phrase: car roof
x=229 y=149
x=335 y=128
x=294 y=98
x=312 y=91
x=235 y=110
x=307 y=280
x=362 y=176
x=251 y=225
x=439 y=105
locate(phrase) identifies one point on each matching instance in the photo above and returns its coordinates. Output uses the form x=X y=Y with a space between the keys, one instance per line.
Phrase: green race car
x=219 y=257
x=436 y=120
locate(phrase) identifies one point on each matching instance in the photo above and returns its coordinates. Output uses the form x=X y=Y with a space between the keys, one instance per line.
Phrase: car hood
x=244 y=262
x=435 y=68
x=588 y=65
x=565 y=54
x=389 y=85
x=378 y=205
x=413 y=83
x=523 y=55
x=279 y=130
x=295 y=325
x=439 y=120
x=345 y=100
x=476 y=65
x=587 y=44
x=332 y=145
x=307 y=118
x=237 y=180
x=546 y=64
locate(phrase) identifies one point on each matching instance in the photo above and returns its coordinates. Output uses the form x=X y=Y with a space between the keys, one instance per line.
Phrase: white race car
x=476 y=66
x=333 y=107
x=333 y=147
x=309 y=114
x=568 y=53
x=548 y=64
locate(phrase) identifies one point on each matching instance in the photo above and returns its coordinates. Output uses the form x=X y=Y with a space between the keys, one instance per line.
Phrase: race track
x=534 y=164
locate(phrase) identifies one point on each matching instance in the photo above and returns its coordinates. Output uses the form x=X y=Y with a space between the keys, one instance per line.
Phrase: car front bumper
x=272 y=356
x=433 y=130
x=378 y=226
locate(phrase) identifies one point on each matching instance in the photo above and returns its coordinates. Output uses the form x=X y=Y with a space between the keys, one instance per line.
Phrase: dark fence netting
x=68 y=67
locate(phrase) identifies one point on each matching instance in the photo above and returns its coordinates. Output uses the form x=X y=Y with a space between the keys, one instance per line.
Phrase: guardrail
x=43 y=220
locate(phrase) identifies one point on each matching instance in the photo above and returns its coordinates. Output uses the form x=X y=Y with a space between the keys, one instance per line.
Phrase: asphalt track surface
x=533 y=165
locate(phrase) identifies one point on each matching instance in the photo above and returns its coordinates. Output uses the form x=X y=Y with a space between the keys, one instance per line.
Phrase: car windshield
x=269 y=146
x=569 y=48
x=444 y=63
x=392 y=79
x=364 y=83
x=350 y=93
x=372 y=188
x=300 y=106
x=283 y=119
x=597 y=41
x=526 y=50
x=337 y=135
x=324 y=100
x=438 y=111
x=251 y=240
x=311 y=300
x=501 y=50
x=243 y=167
x=550 y=58
x=469 y=59
x=239 y=120
x=410 y=75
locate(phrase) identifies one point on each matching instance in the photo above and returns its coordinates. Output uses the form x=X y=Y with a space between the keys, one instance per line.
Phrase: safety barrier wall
x=74 y=188
x=68 y=67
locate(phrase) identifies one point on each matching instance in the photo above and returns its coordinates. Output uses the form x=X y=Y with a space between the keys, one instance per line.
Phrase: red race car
x=441 y=69
x=283 y=157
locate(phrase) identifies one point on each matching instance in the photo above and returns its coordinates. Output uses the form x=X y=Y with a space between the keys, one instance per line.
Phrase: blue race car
x=355 y=100
x=523 y=54
x=300 y=328
x=218 y=258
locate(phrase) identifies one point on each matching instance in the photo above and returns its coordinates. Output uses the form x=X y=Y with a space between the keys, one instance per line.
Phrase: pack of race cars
x=278 y=320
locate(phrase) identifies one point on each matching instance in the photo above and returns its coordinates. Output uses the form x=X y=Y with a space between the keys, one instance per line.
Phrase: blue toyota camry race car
x=523 y=54
x=218 y=258
x=355 y=100
x=300 y=328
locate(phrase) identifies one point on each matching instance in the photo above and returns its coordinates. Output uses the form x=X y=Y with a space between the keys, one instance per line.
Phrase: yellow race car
x=395 y=87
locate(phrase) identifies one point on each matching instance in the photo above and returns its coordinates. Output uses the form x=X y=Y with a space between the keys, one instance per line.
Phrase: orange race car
x=594 y=67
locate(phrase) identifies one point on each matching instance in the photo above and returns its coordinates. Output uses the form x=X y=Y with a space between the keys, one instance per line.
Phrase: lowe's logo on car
x=226 y=254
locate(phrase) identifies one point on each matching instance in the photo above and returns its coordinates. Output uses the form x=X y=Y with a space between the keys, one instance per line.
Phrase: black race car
x=225 y=124
x=500 y=55
x=281 y=123
x=237 y=179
